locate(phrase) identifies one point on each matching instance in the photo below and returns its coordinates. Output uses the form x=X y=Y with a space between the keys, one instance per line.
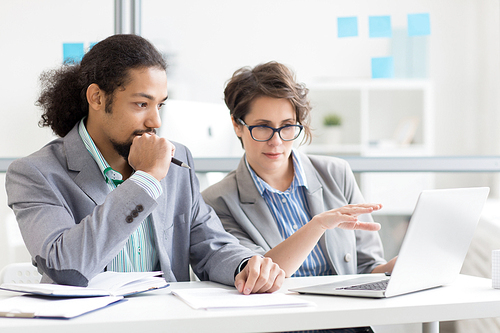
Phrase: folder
x=29 y=306
x=104 y=284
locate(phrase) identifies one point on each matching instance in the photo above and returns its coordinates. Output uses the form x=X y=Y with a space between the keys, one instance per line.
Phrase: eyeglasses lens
x=263 y=133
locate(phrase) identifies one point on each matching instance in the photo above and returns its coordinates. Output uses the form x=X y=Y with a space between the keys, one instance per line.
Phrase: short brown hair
x=271 y=79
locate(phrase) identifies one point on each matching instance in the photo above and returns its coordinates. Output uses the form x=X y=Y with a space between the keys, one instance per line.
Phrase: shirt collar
x=110 y=175
x=299 y=178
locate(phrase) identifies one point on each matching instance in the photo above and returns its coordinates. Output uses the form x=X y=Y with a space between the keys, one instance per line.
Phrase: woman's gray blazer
x=331 y=184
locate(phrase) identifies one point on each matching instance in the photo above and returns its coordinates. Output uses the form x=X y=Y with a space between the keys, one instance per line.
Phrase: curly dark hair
x=271 y=79
x=107 y=64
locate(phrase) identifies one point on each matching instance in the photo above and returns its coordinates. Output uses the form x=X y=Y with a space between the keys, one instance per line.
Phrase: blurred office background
x=406 y=78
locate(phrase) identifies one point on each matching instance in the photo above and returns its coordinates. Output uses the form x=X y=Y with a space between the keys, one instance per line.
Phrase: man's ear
x=96 y=97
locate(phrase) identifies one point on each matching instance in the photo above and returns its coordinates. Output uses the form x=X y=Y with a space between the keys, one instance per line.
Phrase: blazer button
x=139 y=208
x=129 y=219
x=134 y=213
x=347 y=257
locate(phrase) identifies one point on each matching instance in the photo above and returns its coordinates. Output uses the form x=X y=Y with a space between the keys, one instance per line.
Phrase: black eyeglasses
x=264 y=133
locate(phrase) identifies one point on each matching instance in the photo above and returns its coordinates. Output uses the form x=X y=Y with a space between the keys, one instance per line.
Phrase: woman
x=304 y=212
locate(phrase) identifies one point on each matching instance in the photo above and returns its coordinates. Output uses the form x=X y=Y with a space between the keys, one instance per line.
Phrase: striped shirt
x=290 y=210
x=139 y=253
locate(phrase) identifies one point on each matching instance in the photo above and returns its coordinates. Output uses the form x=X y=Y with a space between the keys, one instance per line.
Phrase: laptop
x=433 y=249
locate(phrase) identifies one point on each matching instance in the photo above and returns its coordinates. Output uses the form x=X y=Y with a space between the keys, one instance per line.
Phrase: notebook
x=433 y=250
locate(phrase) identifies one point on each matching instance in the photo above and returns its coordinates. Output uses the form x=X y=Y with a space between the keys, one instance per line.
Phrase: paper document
x=50 y=307
x=224 y=299
x=104 y=284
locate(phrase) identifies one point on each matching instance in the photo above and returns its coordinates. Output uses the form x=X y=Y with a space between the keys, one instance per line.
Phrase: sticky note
x=347 y=27
x=379 y=26
x=383 y=68
x=72 y=52
x=419 y=24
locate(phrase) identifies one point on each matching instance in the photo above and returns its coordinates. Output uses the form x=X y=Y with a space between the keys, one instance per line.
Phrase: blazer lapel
x=255 y=206
x=87 y=174
x=162 y=231
x=314 y=191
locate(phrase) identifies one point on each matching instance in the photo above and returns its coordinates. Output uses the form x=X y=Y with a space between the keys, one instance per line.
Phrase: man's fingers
x=275 y=281
x=252 y=273
x=265 y=279
x=259 y=275
x=239 y=281
x=152 y=154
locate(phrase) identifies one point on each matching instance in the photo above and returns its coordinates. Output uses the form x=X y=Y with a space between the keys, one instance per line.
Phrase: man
x=104 y=196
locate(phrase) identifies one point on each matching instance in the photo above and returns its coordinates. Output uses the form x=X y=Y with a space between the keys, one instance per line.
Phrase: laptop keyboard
x=379 y=285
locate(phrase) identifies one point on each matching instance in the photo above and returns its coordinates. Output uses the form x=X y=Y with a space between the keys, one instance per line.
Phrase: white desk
x=159 y=311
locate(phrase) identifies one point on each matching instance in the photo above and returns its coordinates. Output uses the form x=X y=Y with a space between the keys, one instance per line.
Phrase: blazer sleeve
x=215 y=254
x=223 y=198
x=70 y=238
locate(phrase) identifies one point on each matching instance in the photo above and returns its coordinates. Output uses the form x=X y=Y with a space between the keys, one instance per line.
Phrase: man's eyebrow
x=147 y=96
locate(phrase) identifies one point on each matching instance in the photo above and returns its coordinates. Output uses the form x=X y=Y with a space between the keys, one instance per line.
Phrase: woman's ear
x=95 y=97
x=238 y=128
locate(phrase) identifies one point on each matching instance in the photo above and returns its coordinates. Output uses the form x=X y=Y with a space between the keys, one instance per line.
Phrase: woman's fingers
x=368 y=226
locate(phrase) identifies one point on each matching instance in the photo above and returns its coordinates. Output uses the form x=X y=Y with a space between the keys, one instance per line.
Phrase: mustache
x=141 y=132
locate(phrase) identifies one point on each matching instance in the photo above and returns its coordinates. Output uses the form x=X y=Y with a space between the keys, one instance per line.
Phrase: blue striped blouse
x=291 y=211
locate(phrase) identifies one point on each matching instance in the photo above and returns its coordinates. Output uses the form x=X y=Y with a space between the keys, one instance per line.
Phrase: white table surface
x=159 y=311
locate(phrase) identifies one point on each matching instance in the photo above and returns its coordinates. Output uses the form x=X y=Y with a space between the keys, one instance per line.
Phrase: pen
x=180 y=163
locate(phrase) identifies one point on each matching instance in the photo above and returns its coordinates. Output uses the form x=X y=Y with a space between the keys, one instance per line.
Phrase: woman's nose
x=275 y=140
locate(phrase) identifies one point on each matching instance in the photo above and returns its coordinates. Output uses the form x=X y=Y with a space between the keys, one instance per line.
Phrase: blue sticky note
x=380 y=26
x=383 y=68
x=72 y=52
x=347 y=27
x=419 y=24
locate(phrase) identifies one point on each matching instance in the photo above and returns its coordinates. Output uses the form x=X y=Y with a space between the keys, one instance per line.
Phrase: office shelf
x=391 y=118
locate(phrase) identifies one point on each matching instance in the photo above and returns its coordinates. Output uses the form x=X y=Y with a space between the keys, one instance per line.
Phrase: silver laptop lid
x=438 y=237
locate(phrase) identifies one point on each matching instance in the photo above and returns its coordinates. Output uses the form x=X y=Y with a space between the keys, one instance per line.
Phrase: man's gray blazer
x=331 y=184
x=73 y=226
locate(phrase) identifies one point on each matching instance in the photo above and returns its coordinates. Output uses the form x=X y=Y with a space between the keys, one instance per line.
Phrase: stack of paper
x=60 y=301
x=224 y=299
x=104 y=284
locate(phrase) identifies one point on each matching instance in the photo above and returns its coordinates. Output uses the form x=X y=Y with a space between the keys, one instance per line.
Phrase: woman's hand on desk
x=347 y=218
x=385 y=268
x=260 y=275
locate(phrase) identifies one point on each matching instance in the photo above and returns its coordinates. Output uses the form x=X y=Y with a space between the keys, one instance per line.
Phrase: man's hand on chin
x=260 y=275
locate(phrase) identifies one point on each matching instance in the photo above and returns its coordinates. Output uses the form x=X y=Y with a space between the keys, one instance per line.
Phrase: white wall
x=206 y=41
x=31 y=37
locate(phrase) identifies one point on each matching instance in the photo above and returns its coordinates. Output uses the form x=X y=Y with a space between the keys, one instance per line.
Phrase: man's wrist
x=149 y=183
x=241 y=266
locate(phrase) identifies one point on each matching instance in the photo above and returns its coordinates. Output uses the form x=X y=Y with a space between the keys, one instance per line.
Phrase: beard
x=123 y=148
